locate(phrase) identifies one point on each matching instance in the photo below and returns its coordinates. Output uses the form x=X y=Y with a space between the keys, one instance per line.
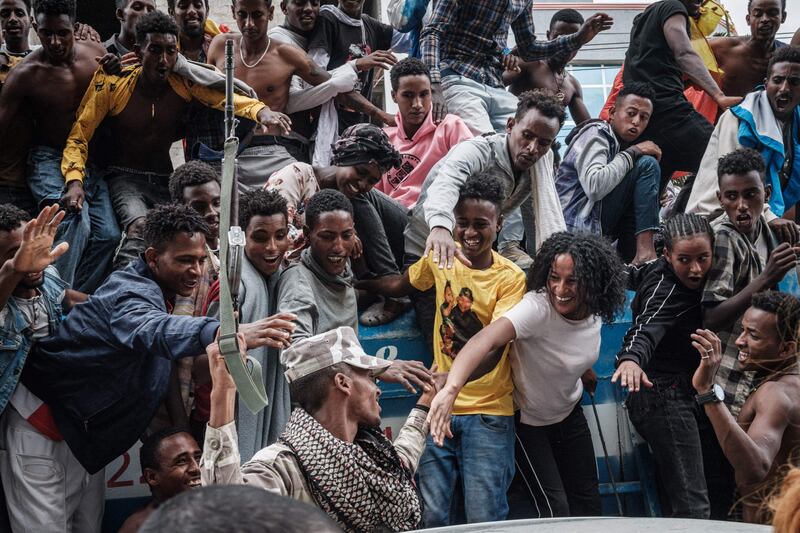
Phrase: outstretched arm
x=303 y=64
x=393 y=286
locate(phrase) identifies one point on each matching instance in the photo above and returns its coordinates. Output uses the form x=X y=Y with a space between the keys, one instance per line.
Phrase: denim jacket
x=106 y=369
x=16 y=337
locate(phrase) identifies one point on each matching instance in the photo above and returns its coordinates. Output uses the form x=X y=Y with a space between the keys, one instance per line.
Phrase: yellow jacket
x=109 y=95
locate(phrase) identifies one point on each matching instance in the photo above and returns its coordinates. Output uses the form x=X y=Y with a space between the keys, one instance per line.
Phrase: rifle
x=246 y=373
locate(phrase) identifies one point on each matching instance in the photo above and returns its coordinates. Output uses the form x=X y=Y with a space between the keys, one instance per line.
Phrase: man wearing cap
x=332 y=452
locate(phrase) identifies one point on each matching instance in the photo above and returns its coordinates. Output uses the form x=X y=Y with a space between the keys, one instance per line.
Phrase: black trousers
x=556 y=470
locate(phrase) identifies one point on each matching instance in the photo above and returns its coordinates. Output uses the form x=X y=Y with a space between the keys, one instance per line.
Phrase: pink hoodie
x=428 y=146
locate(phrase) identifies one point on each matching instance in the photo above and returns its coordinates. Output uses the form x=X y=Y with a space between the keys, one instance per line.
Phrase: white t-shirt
x=548 y=358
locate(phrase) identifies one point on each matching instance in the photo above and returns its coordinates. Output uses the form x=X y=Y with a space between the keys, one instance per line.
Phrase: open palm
x=34 y=253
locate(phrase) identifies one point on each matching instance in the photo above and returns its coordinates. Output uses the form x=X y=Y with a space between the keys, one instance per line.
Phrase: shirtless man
x=267 y=66
x=744 y=59
x=144 y=107
x=550 y=73
x=764 y=440
x=46 y=89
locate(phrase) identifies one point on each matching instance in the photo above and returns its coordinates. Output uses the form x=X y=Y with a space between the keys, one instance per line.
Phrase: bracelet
x=423 y=408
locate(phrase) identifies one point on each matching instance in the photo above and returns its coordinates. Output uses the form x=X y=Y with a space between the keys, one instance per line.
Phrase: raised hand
x=274 y=331
x=708 y=344
x=594 y=25
x=35 y=253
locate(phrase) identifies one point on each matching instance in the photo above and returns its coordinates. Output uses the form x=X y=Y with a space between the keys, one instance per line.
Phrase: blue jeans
x=632 y=207
x=481 y=456
x=92 y=233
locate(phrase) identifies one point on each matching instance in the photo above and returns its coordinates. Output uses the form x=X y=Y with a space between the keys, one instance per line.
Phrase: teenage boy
x=318 y=289
x=33 y=301
x=608 y=183
x=15 y=24
x=762 y=443
x=107 y=368
x=143 y=107
x=265 y=219
x=46 y=90
x=768 y=120
x=421 y=141
x=196 y=30
x=128 y=13
x=481 y=451
x=747 y=260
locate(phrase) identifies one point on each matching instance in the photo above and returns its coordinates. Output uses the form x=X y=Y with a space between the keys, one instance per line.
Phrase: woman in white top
x=575 y=283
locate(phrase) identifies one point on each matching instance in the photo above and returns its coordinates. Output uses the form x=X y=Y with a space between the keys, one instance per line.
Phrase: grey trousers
x=380 y=222
x=46 y=488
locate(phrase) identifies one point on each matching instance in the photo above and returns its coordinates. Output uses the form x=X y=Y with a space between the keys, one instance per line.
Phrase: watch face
x=719 y=393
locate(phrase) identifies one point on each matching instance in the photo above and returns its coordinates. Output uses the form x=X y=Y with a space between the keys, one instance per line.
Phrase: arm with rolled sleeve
x=464 y=160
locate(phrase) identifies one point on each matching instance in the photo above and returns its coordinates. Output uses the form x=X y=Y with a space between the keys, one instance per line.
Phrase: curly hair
x=598 y=270
x=786 y=309
x=261 y=203
x=325 y=201
x=165 y=221
x=787 y=54
x=56 y=8
x=12 y=217
x=155 y=22
x=639 y=88
x=410 y=66
x=483 y=187
x=685 y=225
x=546 y=102
x=189 y=174
x=740 y=162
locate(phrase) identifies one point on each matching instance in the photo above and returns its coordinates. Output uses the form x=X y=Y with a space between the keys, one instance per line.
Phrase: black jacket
x=665 y=312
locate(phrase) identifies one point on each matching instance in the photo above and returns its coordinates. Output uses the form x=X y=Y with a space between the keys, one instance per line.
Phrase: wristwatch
x=715 y=395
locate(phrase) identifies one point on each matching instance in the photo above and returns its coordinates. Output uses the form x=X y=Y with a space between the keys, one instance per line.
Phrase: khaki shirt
x=275 y=468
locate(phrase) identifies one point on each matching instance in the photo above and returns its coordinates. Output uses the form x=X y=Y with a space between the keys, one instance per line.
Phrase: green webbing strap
x=247 y=375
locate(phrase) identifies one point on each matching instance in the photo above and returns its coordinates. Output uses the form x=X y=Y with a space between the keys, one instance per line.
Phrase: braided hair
x=685 y=225
x=362 y=143
x=598 y=270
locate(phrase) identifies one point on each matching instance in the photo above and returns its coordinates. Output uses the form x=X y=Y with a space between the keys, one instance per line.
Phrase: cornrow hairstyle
x=155 y=22
x=362 y=143
x=261 y=203
x=189 y=174
x=742 y=161
x=325 y=201
x=483 y=187
x=149 y=452
x=639 y=88
x=570 y=16
x=685 y=225
x=12 y=217
x=787 y=54
x=546 y=102
x=786 y=309
x=165 y=221
x=56 y=8
x=410 y=66
x=598 y=270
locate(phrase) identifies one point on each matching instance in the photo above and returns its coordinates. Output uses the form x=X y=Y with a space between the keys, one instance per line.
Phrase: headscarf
x=362 y=143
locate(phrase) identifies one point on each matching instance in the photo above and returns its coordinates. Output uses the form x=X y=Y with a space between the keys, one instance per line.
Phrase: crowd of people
x=461 y=206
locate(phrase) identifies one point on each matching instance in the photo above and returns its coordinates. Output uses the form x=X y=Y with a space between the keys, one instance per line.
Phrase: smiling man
x=608 y=183
x=763 y=441
x=747 y=260
x=767 y=120
x=170 y=461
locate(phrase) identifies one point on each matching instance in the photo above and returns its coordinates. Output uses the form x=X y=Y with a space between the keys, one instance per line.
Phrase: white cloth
x=548 y=358
x=46 y=488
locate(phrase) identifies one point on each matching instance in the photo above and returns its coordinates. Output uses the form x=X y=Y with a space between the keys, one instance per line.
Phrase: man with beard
x=46 y=91
x=767 y=120
x=332 y=453
x=144 y=106
x=744 y=60
x=550 y=73
x=170 y=461
x=33 y=300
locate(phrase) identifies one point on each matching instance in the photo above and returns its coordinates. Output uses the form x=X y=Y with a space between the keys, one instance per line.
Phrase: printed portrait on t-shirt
x=459 y=321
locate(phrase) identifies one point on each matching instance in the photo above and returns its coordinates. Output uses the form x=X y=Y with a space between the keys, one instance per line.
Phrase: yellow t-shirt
x=466 y=301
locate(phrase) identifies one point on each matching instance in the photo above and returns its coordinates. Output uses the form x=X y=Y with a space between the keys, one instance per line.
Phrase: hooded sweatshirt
x=423 y=150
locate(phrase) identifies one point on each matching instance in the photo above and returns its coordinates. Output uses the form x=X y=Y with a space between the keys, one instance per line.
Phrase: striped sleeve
x=661 y=307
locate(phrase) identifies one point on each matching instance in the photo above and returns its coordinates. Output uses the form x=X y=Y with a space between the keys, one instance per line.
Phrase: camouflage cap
x=315 y=353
